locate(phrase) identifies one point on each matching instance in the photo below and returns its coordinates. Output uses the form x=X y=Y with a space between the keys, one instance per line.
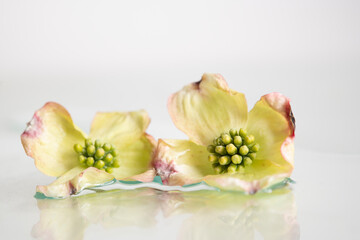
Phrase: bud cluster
x=233 y=151
x=98 y=154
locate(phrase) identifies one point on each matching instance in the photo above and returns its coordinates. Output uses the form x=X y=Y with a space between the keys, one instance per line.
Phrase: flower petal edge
x=49 y=138
x=205 y=109
x=74 y=181
x=181 y=162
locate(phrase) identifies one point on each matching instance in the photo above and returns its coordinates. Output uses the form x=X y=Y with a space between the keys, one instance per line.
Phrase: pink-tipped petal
x=49 y=139
x=181 y=162
x=272 y=123
x=281 y=104
x=205 y=109
x=287 y=150
x=147 y=176
x=75 y=180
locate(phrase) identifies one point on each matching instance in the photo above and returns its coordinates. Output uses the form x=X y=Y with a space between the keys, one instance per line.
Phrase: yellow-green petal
x=49 y=139
x=180 y=162
x=119 y=128
x=135 y=159
x=259 y=175
x=205 y=109
x=74 y=181
x=272 y=123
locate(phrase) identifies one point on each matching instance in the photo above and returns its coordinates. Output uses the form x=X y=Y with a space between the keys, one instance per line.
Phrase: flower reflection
x=59 y=219
x=208 y=214
x=230 y=215
x=68 y=218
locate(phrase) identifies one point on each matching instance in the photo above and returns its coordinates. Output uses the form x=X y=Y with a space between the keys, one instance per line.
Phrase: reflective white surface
x=323 y=204
x=127 y=55
x=120 y=55
x=195 y=215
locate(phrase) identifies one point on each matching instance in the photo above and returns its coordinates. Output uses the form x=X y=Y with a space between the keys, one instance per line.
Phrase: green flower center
x=233 y=151
x=98 y=154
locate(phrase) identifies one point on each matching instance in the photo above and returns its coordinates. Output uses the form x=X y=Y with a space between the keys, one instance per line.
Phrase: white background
x=126 y=55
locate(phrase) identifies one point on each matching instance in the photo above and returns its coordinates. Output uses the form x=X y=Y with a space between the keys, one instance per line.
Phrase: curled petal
x=205 y=109
x=259 y=175
x=147 y=176
x=74 y=181
x=281 y=104
x=180 y=162
x=119 y=128
x=135 y=159
x=49 y=139
x=272 y=123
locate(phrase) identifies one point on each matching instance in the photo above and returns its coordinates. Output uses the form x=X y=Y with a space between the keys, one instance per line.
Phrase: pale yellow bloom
x=50 y=137
x=205 y=109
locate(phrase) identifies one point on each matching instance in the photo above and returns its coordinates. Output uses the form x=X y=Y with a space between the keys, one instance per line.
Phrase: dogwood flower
x=117 y=147
x=228 y=147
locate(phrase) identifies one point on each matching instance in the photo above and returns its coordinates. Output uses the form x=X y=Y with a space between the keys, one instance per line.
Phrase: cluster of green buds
x=233 y=151
x=98 y=154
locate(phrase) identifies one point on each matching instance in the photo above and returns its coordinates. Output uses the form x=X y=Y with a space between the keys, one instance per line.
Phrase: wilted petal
x=135 y=159
x=259 y=175
x=272 y=123
x=119 y=128
x=147 y=176
x=74 y=181
x=49 y=139
x=205 y=109
x=180 y=162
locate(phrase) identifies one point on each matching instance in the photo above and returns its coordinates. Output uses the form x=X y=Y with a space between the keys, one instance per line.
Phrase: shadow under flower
x=208 y=214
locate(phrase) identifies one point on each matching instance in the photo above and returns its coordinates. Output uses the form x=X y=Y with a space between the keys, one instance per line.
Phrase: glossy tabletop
x=112 y=55
x=323 y=204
